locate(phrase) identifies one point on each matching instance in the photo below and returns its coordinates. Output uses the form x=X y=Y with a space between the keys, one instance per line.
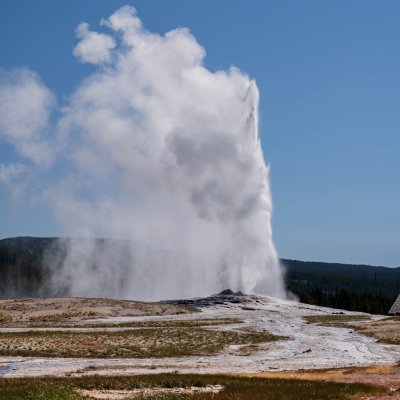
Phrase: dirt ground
x=153 y=342
x=227 y=335
x=386 y=330
x=30 y=312
x=129 y=394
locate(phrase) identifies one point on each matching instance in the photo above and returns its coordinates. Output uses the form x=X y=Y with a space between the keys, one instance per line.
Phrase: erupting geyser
x=160 y=154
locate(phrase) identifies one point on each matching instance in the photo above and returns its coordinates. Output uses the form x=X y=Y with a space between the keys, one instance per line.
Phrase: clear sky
x=328 y=75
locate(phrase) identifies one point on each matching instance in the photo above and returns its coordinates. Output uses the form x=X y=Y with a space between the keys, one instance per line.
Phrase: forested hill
x=350 y=287
x=27 y=265
x=23 y=270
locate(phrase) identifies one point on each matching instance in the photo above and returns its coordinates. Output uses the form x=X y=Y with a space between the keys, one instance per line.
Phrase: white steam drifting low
x=156 y=152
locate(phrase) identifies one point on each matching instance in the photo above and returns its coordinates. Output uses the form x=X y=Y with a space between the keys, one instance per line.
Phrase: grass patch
x=35 y=389
x=163 y=324
x=331 y=374
x=129 y=324
x=235 y=388
x=35 y=312
x=395 y=318
x=4 y=317
x=337 y=320
x=139 y=343
x=386 y=330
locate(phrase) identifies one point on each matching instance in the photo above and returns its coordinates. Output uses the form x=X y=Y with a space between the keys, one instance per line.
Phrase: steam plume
x=163 y=156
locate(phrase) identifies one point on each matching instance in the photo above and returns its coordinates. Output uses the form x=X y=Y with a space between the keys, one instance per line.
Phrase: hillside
x=351 y=287
x=23 y=271
x=27 y=265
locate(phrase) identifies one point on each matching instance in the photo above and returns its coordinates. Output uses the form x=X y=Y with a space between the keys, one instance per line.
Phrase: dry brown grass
x=234 y=388
x=386 y=330
x=338 y=320
x=331 y=374
x=139 y=343
x=5 y=317
x=35 y=312
x=164 y=323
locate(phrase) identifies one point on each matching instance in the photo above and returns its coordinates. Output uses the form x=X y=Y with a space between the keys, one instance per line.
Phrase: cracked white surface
x=309 y=346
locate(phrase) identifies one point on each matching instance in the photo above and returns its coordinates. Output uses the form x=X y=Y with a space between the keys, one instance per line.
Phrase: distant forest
x=25 y=271
x=344 y=286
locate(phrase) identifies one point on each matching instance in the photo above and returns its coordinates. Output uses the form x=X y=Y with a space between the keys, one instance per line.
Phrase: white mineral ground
x=124 y=394
x=309 y=346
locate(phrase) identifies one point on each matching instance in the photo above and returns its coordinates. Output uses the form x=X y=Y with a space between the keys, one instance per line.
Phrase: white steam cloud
x=25 y=107
x=94 y=47
x=160 y=154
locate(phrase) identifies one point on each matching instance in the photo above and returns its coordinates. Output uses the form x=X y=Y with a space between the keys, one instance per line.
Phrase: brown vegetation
x=233 y=387
x=386 y=330
x=172 y=341
x=31 y=312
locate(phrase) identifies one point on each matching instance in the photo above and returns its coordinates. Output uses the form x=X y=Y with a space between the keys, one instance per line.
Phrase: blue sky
x=328 y=75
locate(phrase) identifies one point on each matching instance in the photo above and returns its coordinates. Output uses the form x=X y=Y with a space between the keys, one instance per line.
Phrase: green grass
x=37 y=389
x=235 y=388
